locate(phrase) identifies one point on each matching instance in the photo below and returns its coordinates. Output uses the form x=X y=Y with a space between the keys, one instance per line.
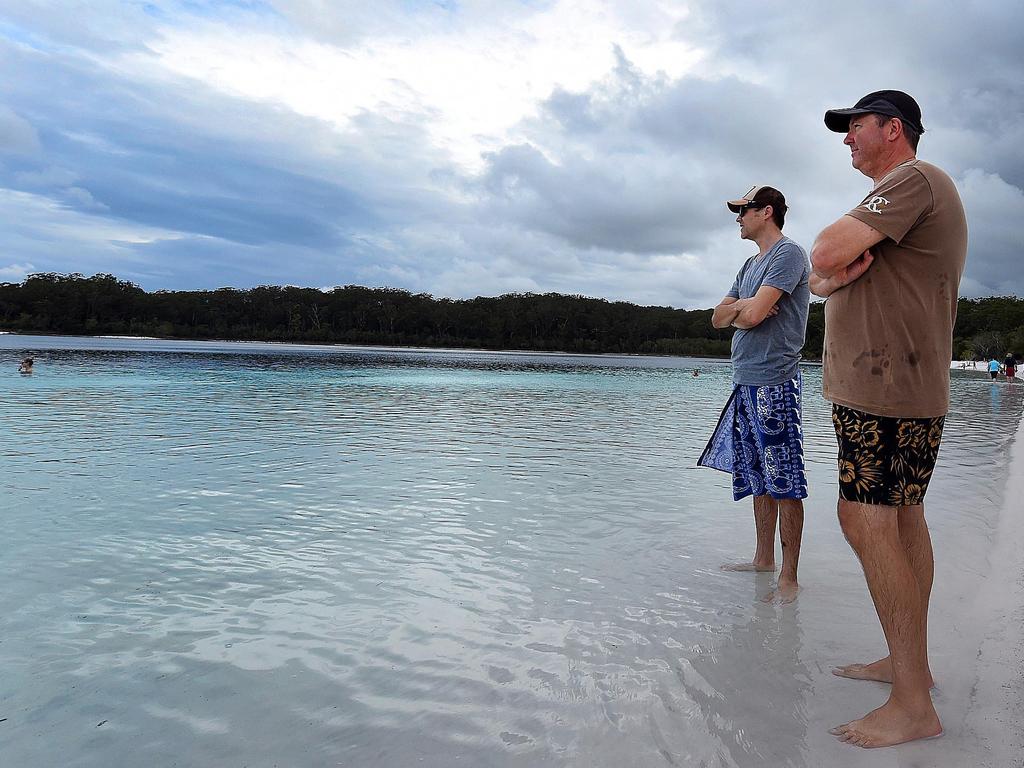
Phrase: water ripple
x=390 y=559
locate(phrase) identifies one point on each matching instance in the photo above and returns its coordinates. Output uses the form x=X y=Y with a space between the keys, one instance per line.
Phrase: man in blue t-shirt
x=758 y=438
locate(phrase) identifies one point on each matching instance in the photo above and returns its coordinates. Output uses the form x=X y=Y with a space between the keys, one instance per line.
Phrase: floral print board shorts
x=885 y=460
x=759 y=441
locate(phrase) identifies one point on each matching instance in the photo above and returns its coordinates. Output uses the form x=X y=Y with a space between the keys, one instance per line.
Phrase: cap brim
x=736 y=205
x=838 y=120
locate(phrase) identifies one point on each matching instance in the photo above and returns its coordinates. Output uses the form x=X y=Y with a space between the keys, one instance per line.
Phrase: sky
x=479 y=148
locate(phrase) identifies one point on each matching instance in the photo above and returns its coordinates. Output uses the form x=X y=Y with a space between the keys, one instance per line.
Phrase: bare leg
x=917 y=544
x=766 y=513
x=874 y=534
x=791 y=528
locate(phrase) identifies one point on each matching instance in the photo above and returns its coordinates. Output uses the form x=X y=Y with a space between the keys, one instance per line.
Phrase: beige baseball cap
x=746 y=199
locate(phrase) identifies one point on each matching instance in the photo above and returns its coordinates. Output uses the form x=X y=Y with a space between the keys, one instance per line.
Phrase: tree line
x=53 y=303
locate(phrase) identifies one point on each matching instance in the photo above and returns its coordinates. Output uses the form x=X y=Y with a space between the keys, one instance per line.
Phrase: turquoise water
x=244 y=554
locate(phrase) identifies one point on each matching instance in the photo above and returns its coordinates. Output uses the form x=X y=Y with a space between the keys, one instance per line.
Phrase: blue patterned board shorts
x=759 y=441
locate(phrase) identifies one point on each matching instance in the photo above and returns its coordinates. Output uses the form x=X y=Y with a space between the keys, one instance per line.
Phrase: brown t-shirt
x=889 y=335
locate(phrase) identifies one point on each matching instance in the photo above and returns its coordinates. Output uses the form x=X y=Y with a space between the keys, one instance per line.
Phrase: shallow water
x=243 y=554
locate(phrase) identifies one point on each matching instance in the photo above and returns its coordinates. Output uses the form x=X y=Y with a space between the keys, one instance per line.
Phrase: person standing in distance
x=891 y=270
x=758 y=438
x=1010 y=366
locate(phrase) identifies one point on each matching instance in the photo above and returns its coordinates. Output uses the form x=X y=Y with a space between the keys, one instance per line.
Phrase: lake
x=264 y=554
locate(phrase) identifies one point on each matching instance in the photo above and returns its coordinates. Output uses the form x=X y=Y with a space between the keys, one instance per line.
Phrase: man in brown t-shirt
x=891 y=270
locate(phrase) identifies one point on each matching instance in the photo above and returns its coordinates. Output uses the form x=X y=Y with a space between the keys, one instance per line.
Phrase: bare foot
x=888 y=725
x=785 y=593
x=880 y=670
x=748 y=566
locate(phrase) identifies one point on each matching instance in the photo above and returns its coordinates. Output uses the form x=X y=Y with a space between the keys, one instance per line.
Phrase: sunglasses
x=750 y=207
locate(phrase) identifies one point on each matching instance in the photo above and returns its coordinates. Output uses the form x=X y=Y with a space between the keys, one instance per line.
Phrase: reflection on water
x=252 y=554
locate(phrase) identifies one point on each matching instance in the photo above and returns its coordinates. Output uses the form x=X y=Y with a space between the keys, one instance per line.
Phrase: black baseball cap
x=889 y=103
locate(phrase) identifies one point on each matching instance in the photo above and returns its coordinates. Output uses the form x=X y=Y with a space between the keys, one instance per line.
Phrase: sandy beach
x=998 y=694
x=977 y=653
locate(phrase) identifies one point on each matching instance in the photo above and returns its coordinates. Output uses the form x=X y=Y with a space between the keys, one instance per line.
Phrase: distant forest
x=102 y=304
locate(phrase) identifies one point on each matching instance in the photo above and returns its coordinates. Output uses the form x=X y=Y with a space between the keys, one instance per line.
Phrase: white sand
x=976 y=641
x=997 y=709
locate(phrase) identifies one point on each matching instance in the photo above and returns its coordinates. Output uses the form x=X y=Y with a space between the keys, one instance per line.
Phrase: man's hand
x=825 y=287
x=841 y=243
x=747 y=313
x=758 y=308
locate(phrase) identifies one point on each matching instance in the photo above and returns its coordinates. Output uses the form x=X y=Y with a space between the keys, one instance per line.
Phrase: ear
x=768 y=212
x=895 y=128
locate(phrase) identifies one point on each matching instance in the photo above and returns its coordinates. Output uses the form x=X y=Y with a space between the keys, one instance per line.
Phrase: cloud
x=637 y=164
x=476 y=148
x=45 y=178
x=17 y=136
x=15 y=273
x=997 y=208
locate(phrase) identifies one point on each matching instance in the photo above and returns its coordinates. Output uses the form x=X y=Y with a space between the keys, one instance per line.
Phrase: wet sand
x=977 y=654
x=998 y=696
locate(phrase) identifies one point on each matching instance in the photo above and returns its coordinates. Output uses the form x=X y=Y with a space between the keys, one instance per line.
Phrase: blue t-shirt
x=769 y=353
x=993 y=365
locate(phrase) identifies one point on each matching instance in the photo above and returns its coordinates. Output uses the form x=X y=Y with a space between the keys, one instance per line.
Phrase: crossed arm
x=841 y=254
x=747 y=313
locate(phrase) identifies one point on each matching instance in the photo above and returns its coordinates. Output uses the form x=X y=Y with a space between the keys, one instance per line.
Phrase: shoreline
x=998 y=691
x=342 y=346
